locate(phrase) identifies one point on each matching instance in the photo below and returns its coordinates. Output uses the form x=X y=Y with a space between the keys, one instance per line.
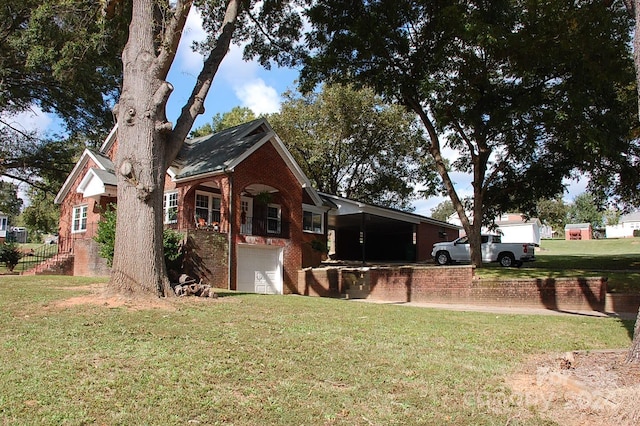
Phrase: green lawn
x=267 y=360
x=617 y=259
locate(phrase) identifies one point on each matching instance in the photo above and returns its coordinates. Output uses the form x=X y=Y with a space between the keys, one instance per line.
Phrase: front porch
x=207 y=205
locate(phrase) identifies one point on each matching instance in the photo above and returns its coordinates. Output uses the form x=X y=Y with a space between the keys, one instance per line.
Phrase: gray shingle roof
x=103 y=161
x=631 y=217
x=215 y=152
x=577 y=225
x=107 y=177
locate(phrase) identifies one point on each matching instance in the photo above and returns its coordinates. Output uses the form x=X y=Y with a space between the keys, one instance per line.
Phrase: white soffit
x=97 y=183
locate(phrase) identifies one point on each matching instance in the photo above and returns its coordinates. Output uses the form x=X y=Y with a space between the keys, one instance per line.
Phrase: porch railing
x=265 y=227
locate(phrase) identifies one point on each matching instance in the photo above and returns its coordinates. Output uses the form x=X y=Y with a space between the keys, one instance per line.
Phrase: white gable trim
x=75 y=173
x=347 y=206
x=108 y=142
x=194 y=177
x=172 y=173
x=239 y=159
x=92 y=185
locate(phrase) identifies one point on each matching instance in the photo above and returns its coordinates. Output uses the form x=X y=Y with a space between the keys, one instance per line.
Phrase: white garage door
x=260 y=269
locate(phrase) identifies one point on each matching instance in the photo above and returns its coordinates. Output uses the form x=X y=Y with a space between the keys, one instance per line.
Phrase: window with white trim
x=207 y=207
x=273 y=219
x=79 y=219
x=170 y=207
x=312 y=219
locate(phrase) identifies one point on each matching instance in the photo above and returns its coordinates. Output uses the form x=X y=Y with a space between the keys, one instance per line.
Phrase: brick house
x=250 y=216
x=578 y=231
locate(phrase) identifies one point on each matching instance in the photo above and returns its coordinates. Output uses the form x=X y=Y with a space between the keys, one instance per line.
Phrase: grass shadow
x=629 y=325
x=230 y=293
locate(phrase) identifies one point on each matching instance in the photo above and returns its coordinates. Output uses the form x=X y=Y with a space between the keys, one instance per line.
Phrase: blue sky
x=237 y=82
x=246 y=84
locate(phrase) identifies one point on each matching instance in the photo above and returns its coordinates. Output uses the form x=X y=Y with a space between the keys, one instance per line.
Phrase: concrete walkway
x=502 y=310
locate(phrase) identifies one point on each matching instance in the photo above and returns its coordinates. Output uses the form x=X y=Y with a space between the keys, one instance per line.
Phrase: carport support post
x=363 y=236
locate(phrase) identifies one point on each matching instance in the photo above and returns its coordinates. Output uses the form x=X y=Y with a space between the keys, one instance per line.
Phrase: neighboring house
x=578 y=231
x=547 y=232
x=249 y=213
x=4 y=223
x=18 y=234
x=513 y=227
x=627 y=224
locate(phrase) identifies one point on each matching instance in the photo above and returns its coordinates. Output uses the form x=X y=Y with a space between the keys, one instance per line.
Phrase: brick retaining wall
x=87 y=261
x=457 y=284
x=207 y=257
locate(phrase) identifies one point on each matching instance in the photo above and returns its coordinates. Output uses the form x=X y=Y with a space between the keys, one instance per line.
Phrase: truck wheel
x=506 y=260
x=442 y=258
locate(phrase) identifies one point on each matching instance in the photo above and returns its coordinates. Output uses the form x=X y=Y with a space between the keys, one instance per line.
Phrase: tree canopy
x=238 y=115
x=553 y=212
x=40 y=162
x=351 y=143
x=42 y=215
x=585 y=210
x=10 y=203
x=520 y=89
x=443 y=210
x=62 y=56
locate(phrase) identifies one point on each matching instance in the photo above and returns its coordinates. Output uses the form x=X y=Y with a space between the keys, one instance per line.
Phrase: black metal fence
x=34 y=256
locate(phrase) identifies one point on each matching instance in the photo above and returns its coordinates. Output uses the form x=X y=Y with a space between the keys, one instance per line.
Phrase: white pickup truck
x=493 y=250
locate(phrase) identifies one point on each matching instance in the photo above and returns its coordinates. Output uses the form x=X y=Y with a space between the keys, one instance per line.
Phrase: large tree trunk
x=634 y=351
x=147 y=142
x=138 y=262
x=634 y=8
x=472 y=229
x=479 y=160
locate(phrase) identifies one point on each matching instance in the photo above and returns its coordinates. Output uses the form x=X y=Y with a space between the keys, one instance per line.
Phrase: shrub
x=319 y=245
x=172 y=242
x=106 y=234
x=106 y=237
x=10 y=255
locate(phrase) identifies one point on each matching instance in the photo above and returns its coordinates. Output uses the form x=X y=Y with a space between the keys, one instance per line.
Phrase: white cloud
x=239 y=75
x=190 y=61
x=235 y=70
x=255 y=94
x=575 y=187
x=33 y=120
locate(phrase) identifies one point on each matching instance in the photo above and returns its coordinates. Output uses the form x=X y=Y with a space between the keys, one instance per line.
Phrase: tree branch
x=265 y=32
x=195 y=104
x=20 y=132
x=171 y=37
x=436 y=153
x=465 y=138
x=29 y=182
